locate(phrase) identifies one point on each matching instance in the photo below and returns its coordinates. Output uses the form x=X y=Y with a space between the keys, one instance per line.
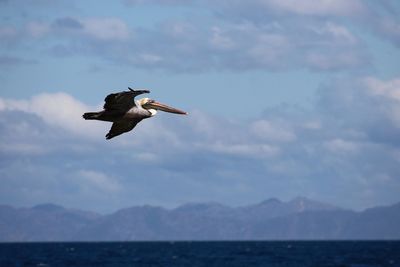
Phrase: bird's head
x=152 y=106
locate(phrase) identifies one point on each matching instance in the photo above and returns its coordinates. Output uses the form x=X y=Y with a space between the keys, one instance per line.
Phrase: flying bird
x=125 y=112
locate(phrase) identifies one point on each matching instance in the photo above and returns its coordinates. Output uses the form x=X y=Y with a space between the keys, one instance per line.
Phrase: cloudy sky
x=285 y=98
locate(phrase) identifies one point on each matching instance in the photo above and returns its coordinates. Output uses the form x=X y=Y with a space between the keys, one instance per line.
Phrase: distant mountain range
x=298 y=219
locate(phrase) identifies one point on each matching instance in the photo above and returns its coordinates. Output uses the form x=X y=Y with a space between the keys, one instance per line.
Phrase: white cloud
x=268 y=49
x=273 y=132
x=26 y=148
x=37 y=29
x=254 y=34
x=335 y=31
x=58 y=109
x=318 y=8
x=338 y=60
x=148 y=58
x=99 y=181
x=11 y=104
x=389 y=89
x=220 y=40
x=105 y=28
x=245 y=150
x=147 y=157
x=193 y=46
x=339 y=145
x=98 y=28
x=209 y=127
x=312 y=125
x=158 y=2
x=305 y=7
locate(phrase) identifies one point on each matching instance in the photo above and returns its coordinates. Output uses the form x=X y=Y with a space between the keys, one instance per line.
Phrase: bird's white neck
x=141 y=102
x=152 y=112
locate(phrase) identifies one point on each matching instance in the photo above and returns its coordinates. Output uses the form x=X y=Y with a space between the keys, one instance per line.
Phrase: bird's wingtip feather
x=141 y=91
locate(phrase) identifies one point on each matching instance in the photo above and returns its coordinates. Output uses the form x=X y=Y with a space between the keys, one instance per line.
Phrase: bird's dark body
x=121 y=109
x=134 y=113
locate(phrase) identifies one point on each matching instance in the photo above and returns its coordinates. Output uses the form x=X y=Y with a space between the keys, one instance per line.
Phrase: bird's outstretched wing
x=121 y=127
x=123 y=101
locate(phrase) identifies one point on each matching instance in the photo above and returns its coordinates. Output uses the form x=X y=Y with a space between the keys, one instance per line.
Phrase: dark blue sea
x=192 y=254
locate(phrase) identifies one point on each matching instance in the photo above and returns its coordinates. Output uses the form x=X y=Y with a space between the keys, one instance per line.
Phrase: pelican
x=124 y=112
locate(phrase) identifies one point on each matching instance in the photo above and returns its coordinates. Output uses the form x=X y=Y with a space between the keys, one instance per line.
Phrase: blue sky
x=285 y=98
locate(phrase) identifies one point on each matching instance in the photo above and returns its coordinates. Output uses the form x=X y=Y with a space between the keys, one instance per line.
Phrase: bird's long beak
x=163 y=107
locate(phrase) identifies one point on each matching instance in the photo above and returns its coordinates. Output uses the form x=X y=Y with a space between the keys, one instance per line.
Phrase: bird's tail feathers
x=91 y=115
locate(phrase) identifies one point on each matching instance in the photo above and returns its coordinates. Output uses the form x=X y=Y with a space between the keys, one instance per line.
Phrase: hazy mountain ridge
x=46 y=222
x=300 y=218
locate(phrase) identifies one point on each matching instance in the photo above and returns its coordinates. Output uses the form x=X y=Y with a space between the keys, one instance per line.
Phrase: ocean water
x=192 y=254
